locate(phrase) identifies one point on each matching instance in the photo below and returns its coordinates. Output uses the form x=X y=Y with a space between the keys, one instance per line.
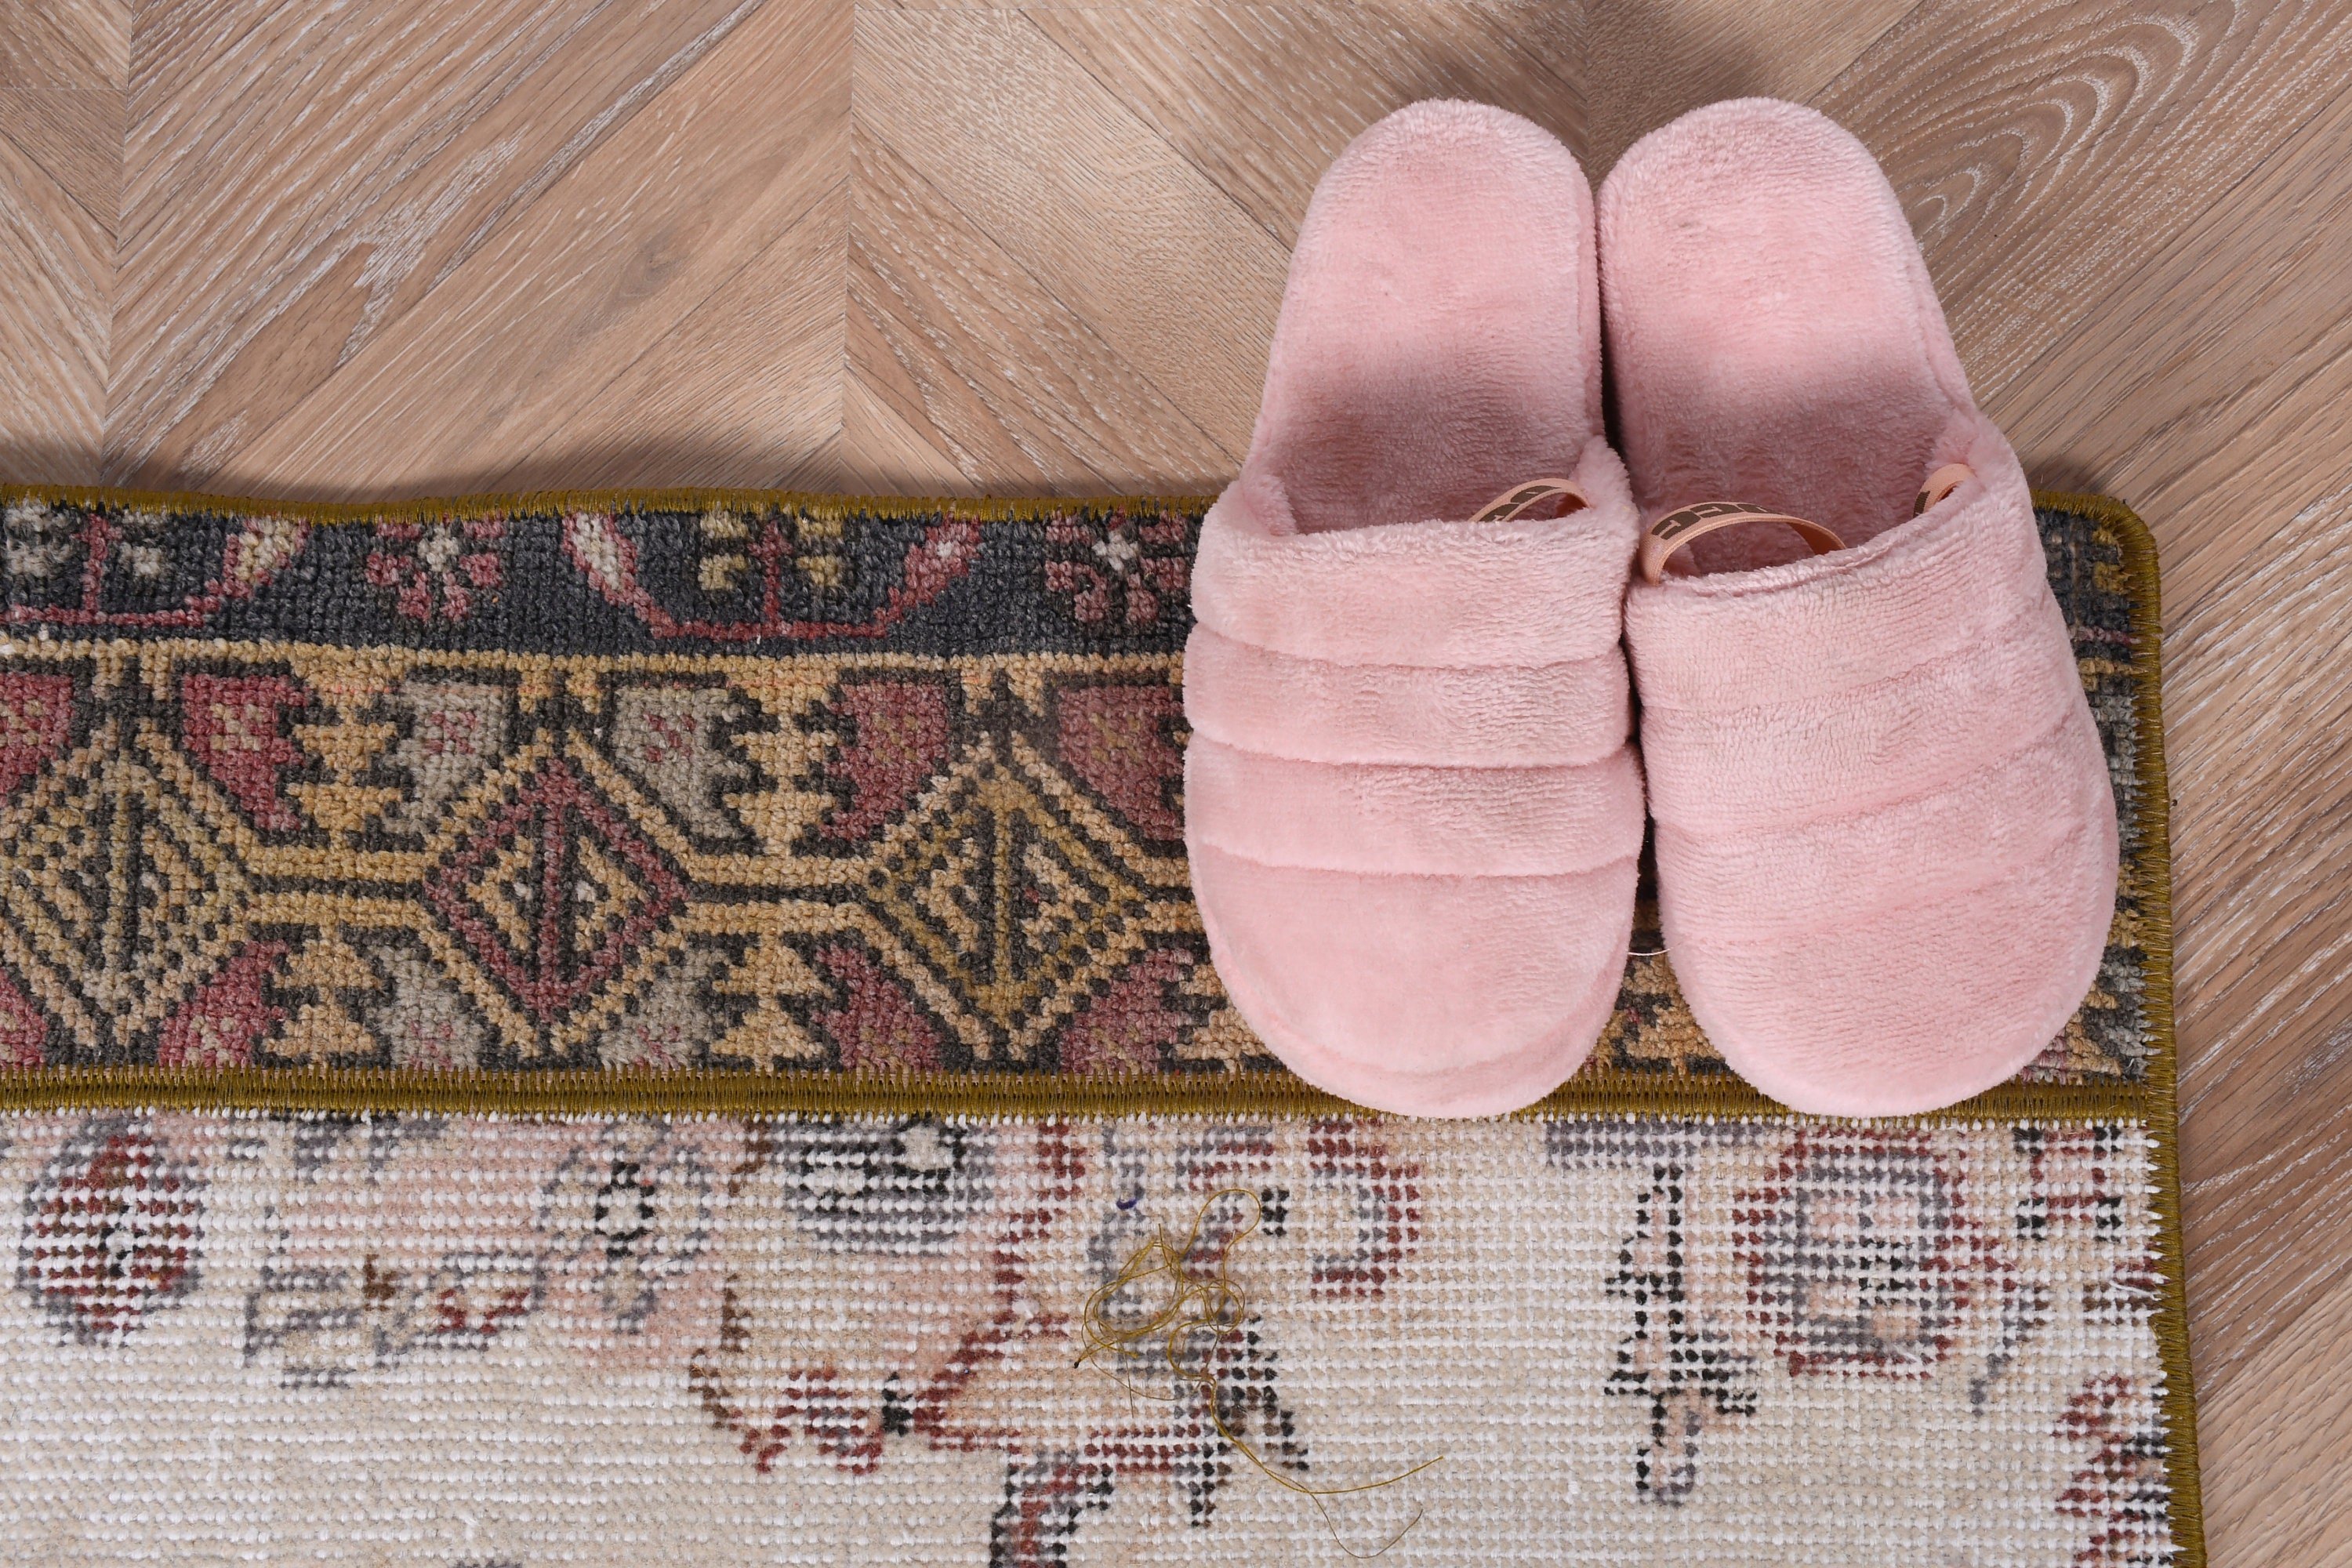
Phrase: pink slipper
x=1886 y=837
x=1412 y=811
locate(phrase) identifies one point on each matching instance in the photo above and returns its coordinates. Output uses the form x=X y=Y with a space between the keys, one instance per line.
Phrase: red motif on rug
x=898 y=740
x=1120 y=741
x=596 y=544
x=111 y=1229
x=222 y=1024
x=232 y=726
x=36 y=715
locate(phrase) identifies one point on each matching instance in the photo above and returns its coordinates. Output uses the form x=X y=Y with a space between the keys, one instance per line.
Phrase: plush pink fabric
x=1578 y=711
x=1415 y=820
x=1411 y=810
x=1886 y=836
x=1432 y=995
x=1475 y=595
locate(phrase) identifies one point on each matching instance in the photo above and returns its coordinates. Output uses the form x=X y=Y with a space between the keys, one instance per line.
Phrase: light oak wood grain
x=2183 y=366
x=2210 y=384
x=1658 y=58
x=343 y=171
x=65 y=44
x=75 y=135
x=2267 y=971
x=882 y=453
x=1079 y=192
x=57 y=275
x=941 y=247
x=745 y=388
x=950 y=331
x=65 y=69
x=1261 y=97
x=2259 y=1487
x=612 y=259
x=2041 y=149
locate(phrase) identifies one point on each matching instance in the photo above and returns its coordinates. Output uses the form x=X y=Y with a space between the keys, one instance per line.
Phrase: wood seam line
x=1021 y=264
x=1181 y=155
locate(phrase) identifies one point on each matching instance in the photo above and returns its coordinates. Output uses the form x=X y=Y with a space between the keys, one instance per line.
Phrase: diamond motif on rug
x=553 y=891
x=118 y=894
x=1018 y=911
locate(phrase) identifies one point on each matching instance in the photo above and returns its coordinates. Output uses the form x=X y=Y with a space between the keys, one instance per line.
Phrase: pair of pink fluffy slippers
x=1884 y=837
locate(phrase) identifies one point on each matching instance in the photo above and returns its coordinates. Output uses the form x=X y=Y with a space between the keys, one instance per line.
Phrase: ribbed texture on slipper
x=1419 y=821
x=1449 y=594
x=1414 y=818
x=1498 y=716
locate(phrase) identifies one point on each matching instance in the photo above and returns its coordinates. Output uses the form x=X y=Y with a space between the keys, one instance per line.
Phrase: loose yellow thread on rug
x=1211 y=1302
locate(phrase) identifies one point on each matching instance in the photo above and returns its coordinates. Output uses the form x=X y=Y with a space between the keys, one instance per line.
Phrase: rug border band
x=563 y=1092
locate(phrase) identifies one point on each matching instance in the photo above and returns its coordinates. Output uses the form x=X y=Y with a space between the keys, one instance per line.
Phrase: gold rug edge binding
x=569 y=1093
x=2163 y=1081
x=2154 y=1102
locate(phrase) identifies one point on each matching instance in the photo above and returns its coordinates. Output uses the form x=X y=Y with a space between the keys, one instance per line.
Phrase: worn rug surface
x=631 y=1030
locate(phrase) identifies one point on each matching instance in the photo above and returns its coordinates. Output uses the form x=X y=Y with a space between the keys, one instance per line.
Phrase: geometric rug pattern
x=689 y=786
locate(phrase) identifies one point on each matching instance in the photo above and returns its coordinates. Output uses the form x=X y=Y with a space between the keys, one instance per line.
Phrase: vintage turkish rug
x=650 y=1029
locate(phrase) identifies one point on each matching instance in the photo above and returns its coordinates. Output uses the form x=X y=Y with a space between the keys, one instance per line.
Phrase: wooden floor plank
x=56 y=274
x=882 y=452
x=745 y=390
x=296 y=182
x=969 y=348
x=2281 y=1448
x=2210 y=384
x=75 y=135
x=1165 y=268
x=64 y=71
x=2202 y=338
x=534 y=324
x=2262 y=722
x=1261 y=97
x=1649 y=62
x=65 y=45
x=2043 y=146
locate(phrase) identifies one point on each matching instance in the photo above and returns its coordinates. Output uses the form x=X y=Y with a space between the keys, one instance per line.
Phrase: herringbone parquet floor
x=408 y=247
